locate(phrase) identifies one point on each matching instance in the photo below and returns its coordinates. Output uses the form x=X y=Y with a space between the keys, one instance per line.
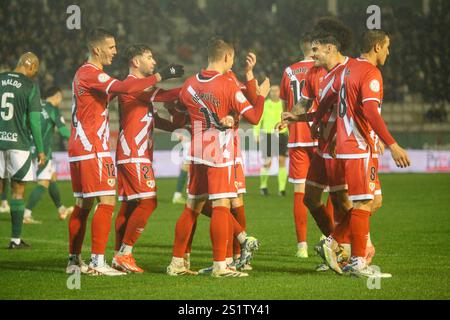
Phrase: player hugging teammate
x=349 y=126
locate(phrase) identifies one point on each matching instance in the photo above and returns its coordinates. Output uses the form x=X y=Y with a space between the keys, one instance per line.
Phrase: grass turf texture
x=411 y=233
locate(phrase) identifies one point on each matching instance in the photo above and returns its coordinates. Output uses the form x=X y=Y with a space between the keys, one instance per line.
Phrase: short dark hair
x=51 y=91
x=370 y=38
x=305 y=41
x=329 y=30
x=136 y=50
x=97 y=35
x=217 y=48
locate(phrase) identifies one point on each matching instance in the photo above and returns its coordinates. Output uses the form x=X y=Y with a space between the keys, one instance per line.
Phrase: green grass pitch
x=411 y=234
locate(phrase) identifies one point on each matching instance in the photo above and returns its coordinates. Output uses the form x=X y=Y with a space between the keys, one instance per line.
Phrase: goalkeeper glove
x=171 y=71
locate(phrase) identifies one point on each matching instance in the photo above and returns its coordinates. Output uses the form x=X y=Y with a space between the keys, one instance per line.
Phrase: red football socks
x=126 y=208
x=300 y=217
x=77 y=229
x=138 y=220
x=219 y=232
x=239 y=214
x=183 y=231
x=359 y=228
x=100 y=227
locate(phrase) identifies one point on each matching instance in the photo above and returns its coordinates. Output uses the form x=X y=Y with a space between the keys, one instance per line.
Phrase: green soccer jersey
x=19 y=96
x=50 y=119
x=270 y=117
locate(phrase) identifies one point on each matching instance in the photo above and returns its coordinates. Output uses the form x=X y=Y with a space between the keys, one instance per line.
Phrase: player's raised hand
x=264 y=88
x=171 y=71
x=250 y=62
x=41 y=159
x=400 y=156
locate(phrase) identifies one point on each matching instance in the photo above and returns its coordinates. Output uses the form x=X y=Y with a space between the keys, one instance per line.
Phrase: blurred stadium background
x=416 y=76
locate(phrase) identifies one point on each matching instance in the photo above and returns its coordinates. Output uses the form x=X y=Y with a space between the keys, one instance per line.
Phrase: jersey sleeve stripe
x=109 y=86
x=372 y=99
x=246 y=109
x=305 y=97
x=154 y=94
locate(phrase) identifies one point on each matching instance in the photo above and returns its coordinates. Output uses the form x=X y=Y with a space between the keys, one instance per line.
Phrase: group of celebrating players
x=333 y=104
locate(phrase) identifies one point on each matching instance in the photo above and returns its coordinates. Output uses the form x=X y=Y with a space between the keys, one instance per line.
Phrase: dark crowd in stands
x=178 y=31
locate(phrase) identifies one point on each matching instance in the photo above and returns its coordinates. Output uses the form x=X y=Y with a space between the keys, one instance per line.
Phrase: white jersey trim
x=95 y=194
x=207 y=80
x=197 y=196
x=291 y=180
x=134 y=160
x=302 y=144
x=90 y=156
x=315 y=184
x=109 y=86
x=324 y=155
x=352 y=156
x=137 y=196
x=154 y=94
x=371 y=99
x=222 y=195
x=339 y=188
x=246 y=109
x=361 y=197
x=305 y=97
x=208 y=163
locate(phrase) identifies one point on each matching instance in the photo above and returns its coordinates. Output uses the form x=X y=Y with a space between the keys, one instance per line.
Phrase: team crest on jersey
x=111 y=182
x=240 y=97
x=372 y=186
x=374 y=85
x=103 y=77
x=151 y=183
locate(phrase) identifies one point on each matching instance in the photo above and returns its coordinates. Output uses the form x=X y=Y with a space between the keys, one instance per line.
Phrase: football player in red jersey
x=301 y=145
x=359 y=121
x=209 y=97
x=91 y=166
x=334 y=38
x=136 y=180
x=240 y=250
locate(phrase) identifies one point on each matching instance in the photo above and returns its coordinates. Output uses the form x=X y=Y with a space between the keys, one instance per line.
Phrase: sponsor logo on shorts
x=151 y=183
x=8 y=136
x=111 y=182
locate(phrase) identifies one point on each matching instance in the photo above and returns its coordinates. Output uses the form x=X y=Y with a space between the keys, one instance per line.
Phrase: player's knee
x=377 y=203
x=237 y=202
x=17 y=190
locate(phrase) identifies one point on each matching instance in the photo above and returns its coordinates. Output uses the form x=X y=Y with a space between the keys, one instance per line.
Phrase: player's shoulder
x=364 y=67
x=302 y=66
x=88 y=71
x=16 y=79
